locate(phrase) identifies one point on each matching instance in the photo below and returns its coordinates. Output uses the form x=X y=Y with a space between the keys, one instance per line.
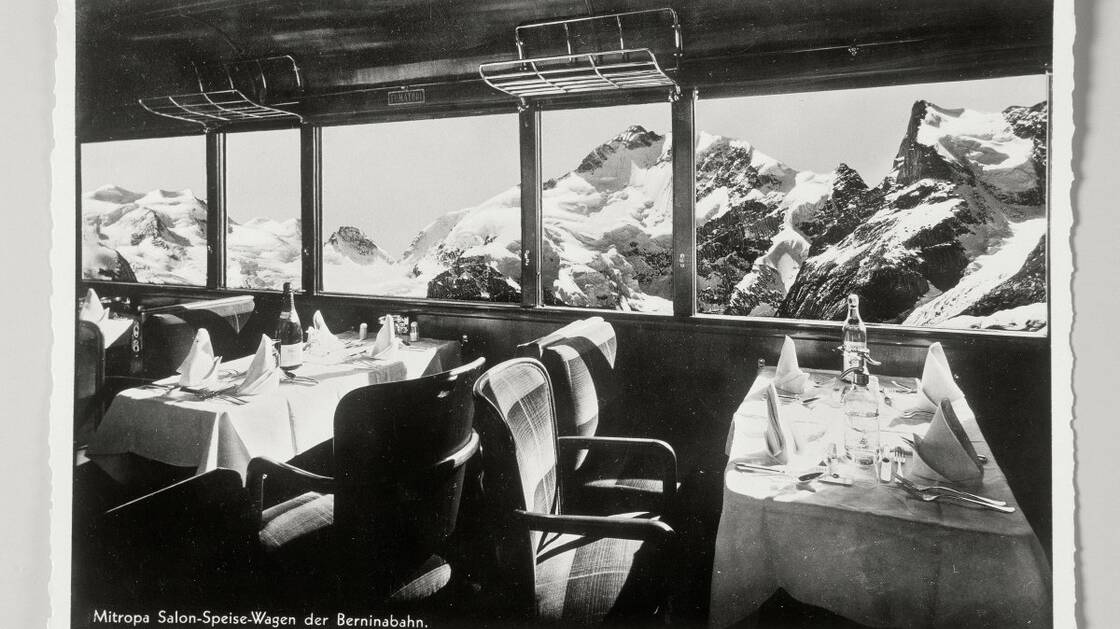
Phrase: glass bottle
x=855 y=335
x=861 y=416
x=289 y=334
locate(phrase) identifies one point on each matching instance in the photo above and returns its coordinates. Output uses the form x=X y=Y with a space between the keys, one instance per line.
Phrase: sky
x=393 y=179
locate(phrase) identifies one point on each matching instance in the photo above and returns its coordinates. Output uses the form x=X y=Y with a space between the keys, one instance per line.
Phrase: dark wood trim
x=698 y=324
x=529 y=131
x=78 y=227
x=216 y=210
x=684 y=205
x=311 y=204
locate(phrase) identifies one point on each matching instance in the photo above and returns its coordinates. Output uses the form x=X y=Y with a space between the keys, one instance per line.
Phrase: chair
x=549 y=565
x=579 y=359
x=187 y=546
x=166 y=333
x=89 y=380
x=373 y=530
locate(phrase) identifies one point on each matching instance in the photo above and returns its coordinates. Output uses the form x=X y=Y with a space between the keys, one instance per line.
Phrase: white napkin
x=200 y=368
x=781 y=439
x=322 y=345
x=937 y=381
x=92 y=310
x=945 y=453
x=263 y=375
x=385 y=345
x=788 y=376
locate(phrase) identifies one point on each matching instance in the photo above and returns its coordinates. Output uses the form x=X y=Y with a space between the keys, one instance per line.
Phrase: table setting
x=114 y=329
x=927 y=534
x=217 y=413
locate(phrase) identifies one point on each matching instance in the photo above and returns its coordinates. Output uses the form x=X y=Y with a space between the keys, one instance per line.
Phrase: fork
x=915 y=412
x=931 y=497
x=925 y=489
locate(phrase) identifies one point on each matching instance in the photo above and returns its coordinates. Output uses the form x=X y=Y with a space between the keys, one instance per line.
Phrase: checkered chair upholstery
x=580 y=360
x=375 y=527
x=554 y=566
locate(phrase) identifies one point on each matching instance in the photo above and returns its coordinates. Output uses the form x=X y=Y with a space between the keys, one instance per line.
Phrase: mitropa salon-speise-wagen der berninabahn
x=504 y=313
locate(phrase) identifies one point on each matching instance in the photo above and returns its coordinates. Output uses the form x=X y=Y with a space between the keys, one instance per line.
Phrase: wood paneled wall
x=681 y=380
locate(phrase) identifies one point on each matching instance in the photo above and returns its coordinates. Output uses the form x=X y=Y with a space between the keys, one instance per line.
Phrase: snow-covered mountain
x=953 y=236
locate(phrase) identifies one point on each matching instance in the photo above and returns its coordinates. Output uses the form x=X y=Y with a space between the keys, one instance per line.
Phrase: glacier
x=953 y=236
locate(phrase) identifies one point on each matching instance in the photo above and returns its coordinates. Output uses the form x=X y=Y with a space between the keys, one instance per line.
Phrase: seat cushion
x=613 y=482
x=307 y=515
x=583 y=579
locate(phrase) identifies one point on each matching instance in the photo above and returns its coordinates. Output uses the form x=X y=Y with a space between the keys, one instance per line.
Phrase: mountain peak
x=352 y=243
x=113 y=194
x=634 y=138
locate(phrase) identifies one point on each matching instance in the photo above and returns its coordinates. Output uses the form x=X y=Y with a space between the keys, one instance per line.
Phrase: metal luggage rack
x=611 y=65
x=229 y=103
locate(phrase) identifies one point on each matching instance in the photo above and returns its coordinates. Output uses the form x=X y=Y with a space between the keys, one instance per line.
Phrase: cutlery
x=961 y=499
x=915 y=412
x=902 y=388
x=295 y=378
x=947 y=490
x=934 y=497
x=765 y=469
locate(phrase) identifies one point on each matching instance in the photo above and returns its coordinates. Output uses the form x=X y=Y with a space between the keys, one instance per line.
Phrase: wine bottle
x=289 y=334
x=855 y=335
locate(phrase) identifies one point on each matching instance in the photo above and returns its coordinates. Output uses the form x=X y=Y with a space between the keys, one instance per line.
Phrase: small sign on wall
x=406 y=97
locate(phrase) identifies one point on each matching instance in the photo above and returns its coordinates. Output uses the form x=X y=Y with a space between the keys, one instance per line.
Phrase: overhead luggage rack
x=228 y=102
x=593 y=55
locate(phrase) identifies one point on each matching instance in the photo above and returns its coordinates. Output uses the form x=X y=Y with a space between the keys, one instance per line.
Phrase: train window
x=144 y=210
x=927 y=200
x=607 y=208
x=263 y=242
x=423 y=208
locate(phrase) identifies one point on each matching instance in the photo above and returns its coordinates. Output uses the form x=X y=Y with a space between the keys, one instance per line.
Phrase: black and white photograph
x=507 y=313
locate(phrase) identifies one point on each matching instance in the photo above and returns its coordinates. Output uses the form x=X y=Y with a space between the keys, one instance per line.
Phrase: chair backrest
x=166 y=333
x=580 y=364
x=399 y=455
x=516 y=420
x=517 y=423
x=535 y=347
x=89 y=376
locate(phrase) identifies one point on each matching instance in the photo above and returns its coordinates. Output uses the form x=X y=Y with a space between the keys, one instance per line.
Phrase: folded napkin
x=322 y=345
x=946 y=453
x=385 y=345
x=788 y=376
x=91 y=309
x=200 y=368
x=263 y=375
x=937 y=381
x=781 y=439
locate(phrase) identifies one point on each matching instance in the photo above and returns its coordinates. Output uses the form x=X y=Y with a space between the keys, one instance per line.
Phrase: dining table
x=871 y=551
x=162 y=422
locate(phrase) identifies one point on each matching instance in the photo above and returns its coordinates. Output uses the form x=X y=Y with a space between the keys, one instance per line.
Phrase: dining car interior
x=512 y=312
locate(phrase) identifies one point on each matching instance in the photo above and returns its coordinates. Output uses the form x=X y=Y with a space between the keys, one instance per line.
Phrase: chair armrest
x=653 y=448
x=261 y=467
x=598 y=526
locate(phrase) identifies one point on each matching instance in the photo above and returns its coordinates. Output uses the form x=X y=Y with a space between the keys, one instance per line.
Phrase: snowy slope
x=954 y=236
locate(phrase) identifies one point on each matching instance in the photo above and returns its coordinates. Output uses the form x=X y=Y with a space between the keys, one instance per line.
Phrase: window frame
x=531 y=307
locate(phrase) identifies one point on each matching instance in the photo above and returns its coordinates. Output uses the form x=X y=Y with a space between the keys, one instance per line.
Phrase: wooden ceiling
x=347 y=49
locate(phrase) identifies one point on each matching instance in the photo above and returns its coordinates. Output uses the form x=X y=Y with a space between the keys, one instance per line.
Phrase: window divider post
x=311 y=208
x=529 y=134
x=684 y=204
x=216 y=210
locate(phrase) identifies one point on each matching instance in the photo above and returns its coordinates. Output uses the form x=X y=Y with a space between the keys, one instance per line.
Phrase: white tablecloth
x=177 y=428
x=869 y=552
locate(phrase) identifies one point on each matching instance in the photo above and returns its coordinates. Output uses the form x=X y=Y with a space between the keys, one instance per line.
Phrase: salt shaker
x=363 y=332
